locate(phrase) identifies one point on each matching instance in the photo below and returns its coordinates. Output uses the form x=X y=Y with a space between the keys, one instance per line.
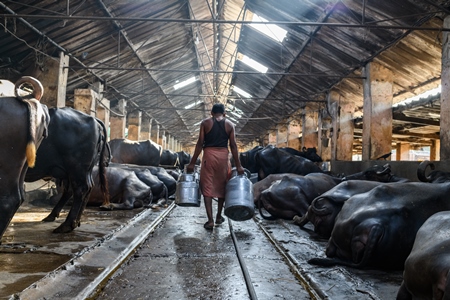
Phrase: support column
x=309 y=129
x=325 y=124
x=118 y=120
x=293 y=140
x=345 y=131
x=134 y=125
x=103 y=113
x=435 y=150
x=402 y=151
x=272 y=138
x=157 y=134
x=84 y=101
x=377 y=111
x=445 y=94
x=145 y=129
x=62 y=80
x=282 y=136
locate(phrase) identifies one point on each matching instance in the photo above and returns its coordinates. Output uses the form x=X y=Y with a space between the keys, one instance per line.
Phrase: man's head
x=218 y=108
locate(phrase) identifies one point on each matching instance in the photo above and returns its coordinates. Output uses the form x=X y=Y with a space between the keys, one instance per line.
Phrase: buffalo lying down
x=293 y=194
x=378 y=228
x=125 y=190
x=426 y=274
x=323 y=210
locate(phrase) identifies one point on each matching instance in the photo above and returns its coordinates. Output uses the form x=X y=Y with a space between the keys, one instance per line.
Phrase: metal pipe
x=213 y=71
x=170 y=20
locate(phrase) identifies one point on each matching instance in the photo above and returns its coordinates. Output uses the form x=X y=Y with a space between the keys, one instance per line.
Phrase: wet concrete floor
x=178 y=259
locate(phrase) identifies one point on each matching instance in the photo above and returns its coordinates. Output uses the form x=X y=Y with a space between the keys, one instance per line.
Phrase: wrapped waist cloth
x=215 y=172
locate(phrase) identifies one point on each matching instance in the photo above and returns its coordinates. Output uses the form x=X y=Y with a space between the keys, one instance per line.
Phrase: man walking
x=214 y=136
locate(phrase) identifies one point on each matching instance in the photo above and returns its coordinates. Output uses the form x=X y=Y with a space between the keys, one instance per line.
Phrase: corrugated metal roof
x=141 y=48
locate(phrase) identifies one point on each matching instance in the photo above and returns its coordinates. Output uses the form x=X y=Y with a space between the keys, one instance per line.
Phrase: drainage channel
x=85 y=274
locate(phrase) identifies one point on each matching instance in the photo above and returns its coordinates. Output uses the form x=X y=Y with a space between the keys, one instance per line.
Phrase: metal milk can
x=239 y=205
x=188 y=190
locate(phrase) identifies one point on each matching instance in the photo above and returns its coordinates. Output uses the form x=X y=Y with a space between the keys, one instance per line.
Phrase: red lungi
x=215 y=172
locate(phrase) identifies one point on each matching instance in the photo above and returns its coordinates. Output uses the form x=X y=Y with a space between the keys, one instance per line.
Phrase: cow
x=323 y=209
x=377 y=229
x=292 y=194
x=376 y=173
x=24 y=121
x=75 y=143
x=309 y=153
x=435 y=176
x=272 y=160
x=427 y=269
x=248 y=161
x=145 y=153
x=158 y=188
x=125 y=190
x=169 y=158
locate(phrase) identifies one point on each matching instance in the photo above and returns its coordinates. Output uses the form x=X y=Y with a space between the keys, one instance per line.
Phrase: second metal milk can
x=188 y=191
x=239 y=205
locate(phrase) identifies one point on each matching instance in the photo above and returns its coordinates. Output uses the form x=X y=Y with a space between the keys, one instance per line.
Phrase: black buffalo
x=158 y=187
x=376 y=173
x=75 y=143
x=272 y=160
x=292 y=194
x=145 y=153
x=377 y=229
x=309 y=153
x=125 y=190
x=248 y=160
x=162 y=174
x=184 y=158
x=435 y=176
x=169 y=158
x=323 y=209
x=427 y=268
x=24 y=124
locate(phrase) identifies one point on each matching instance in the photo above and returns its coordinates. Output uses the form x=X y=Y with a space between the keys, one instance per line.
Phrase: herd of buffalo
x=372 y=219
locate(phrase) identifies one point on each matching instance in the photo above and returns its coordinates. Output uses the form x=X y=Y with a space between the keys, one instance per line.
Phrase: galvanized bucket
x=188 y=191
x=239 y=205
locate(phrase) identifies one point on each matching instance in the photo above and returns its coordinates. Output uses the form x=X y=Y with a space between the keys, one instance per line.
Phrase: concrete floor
x=178 y=259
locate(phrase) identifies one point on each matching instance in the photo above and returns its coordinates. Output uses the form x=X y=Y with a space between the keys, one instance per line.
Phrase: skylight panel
x=254 y=64
x=271 y=30
x=241 y=92
x=184 y=83
x=190 y=105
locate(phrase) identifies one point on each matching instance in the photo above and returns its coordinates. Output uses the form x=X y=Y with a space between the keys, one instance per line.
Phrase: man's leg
x=220 y=204
x=208 y=207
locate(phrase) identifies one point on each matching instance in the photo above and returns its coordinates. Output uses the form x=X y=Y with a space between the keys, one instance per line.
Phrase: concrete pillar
x=333 y=100
x=272 y=138
x=402 y=152
x=309 y=128
x=162 y=139
x=145 y=129
x=377 y=111
x=117 y=120
x=345 y=131
x=435 y=150
x=445 y=94
x=103 y=113
x=134 y=125
x=53 y=78
x=293 y=135
x=85 y=101
x=62 y=80
x=282 y=135
x=325 y=124
x=157 y=134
